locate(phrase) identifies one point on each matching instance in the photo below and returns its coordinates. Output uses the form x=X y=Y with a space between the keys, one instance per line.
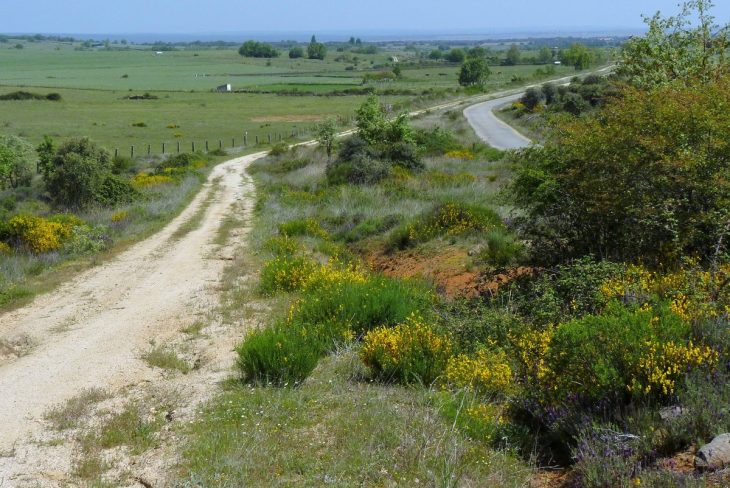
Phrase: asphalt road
x=491 y=129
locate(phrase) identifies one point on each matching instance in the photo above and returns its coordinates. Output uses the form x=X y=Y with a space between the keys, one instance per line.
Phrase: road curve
x=491 y=129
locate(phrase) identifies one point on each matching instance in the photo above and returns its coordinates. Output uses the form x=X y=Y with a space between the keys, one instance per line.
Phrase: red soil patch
x=447 y=269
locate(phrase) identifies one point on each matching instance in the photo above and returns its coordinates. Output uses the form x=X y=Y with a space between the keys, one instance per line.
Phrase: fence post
x=178 y=147
x=269 y=138
x=206 y=146
x=257 y=140
x=149 y=149
x=245 y=140
x=132 y=151
x=233 y=142
x=220 y=144
x=163 y=148
x=193 y=145
x=116 y=152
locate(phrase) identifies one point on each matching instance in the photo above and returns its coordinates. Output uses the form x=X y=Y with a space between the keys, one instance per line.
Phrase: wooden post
x=192 y=144
x=178 y=147
x=116 y=152
x=220 y=144
x=257 y=140
x=132 y=151
x=163 y=148
x=233 y=142
x=245 y=140
x=206 y=146
x=149 y=149
x=269 y=138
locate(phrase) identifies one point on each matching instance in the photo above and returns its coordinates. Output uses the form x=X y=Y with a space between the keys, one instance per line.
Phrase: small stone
x=715 y=455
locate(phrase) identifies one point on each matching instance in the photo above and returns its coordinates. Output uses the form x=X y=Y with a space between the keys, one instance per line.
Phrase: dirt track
x=90 y=331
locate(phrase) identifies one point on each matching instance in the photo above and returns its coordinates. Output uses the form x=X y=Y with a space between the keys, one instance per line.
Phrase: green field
x=95 y=83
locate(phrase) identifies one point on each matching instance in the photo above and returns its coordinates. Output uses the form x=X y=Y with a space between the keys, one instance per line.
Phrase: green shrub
x=77 y=173
x=360 y=170
x=280 y=355
x=449 y=219
x=599 y=358
x=410 y=352
x=218 y=152
x=362 y=306
x=279 y=149
x=115 y=190
x=285 y=273
x=502 y=249
x=303 y=227
x=282 y=246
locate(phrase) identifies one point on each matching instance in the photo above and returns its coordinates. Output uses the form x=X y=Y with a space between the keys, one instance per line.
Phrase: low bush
x=115 y=190
x=360 y=170
x=279 y=149
x=449 y=219
x=40 y=235
x=359 y=305
x=141 y=180
x=280 y=355
x=303 y=227
x=286 y=273
x=502 y=249
x=436 y=142
x=410 y=352
x=487 y=373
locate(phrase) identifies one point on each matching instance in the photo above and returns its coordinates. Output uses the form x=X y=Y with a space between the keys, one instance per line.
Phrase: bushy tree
x=296 y=52
x=327 y=136
x=456 y=55
x=513 y=55
x=474 y=72
x=688 y=48
x=578 y=56
x=77 y=173
x=316 y=50
x=645 y=178
x=532 y=98
x=16 y=162
x=255 y=49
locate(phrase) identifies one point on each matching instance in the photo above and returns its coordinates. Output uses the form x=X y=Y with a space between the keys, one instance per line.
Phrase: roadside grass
x=164 y=357
x=134 y=428
x=69 y=415
x=23 y=275
x=336 y=429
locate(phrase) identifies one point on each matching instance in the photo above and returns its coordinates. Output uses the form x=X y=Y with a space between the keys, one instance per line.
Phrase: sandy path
x=89 y=332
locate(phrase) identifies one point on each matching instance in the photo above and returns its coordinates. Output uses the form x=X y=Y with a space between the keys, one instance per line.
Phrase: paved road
x=491 y=129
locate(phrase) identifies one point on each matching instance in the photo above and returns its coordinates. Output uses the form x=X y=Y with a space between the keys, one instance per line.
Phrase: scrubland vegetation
x=586 y=329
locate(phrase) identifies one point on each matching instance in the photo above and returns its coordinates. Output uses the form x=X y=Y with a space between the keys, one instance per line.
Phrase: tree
x=477 y=52
x=397 y=71
x=474 y=72
x=296 y=52
x=16 y=162
x=327 y=136
x=578 y=56
x=254 y=49
x=456 y=55
x=77 y=173
x=675 y=49
x=376 y=130
x=316 y=50
x=545 y=55
x=352 y=41
x=436 y=54
x=646 y=178
x=513 y=55
x=46 y=150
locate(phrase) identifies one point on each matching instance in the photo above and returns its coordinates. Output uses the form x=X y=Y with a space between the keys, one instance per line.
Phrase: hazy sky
x=218 y=16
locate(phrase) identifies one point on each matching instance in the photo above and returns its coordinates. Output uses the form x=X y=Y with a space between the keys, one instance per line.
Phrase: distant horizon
x=383 y=35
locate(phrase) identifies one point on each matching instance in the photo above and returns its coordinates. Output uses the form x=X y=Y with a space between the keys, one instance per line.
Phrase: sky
x=330 y=16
